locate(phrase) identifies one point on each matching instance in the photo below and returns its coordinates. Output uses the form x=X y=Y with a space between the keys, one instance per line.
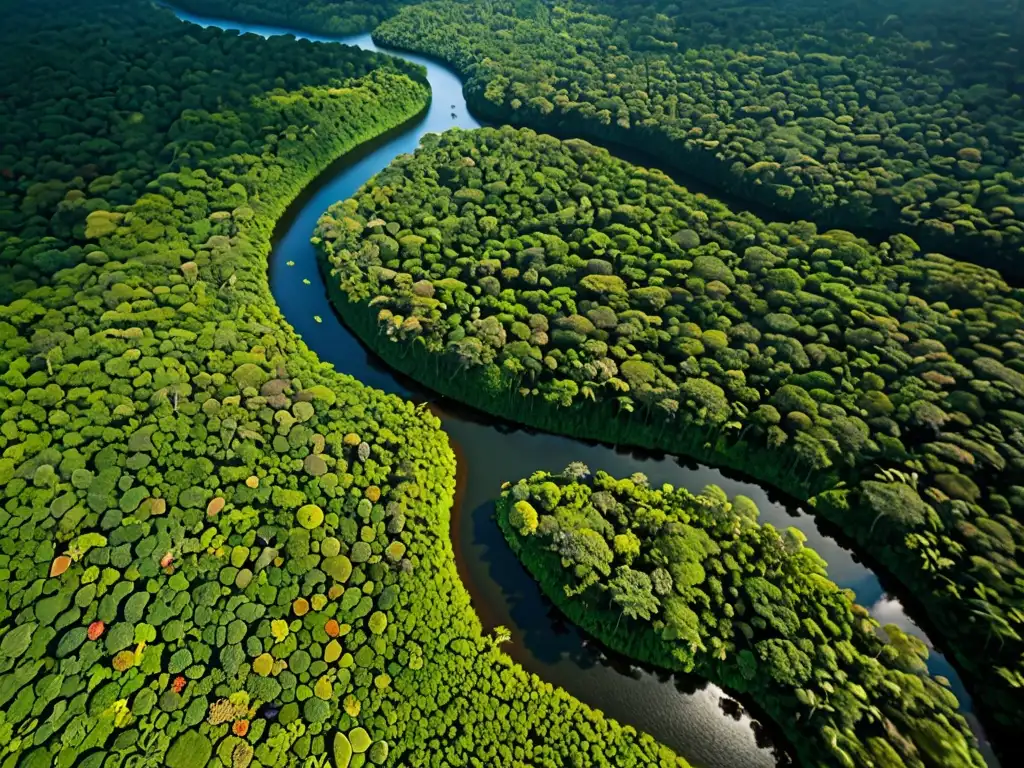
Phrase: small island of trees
x=694 y=582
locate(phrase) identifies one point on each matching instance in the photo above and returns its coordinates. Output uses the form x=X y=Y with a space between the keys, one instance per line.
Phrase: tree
x=909 y=651
x=926 y=414
x=469 y=352
x=851 y=436
x=638 y=374
x=548 y=494
x=626 y=546
x=681 y=624
x=576 y=471
x=705 y=400
x=786 y=663
x=523 y=517
x=587 y=554
x=898 y=503
x=633 y=593
x=561 y=392
x=500 y=635
x=811 y=453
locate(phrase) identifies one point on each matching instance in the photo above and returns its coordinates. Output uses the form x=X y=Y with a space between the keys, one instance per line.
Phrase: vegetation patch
x=325 y=17
x=897 y=116
x=694 y=582
x=179 y=585
x=547 y=282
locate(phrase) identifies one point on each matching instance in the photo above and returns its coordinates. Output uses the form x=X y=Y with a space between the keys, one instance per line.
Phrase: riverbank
x=308 y=310
x=602 y=426
x=670 y=322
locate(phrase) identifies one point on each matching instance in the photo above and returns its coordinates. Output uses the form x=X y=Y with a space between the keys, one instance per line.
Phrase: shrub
x=190 y=750
x=523 y=517
x=310 y=516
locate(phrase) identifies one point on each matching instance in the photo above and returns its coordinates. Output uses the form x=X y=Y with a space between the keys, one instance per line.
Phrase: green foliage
x=378 y=622
x=737 y=587
x=379 y=752
x=190 y=750
x=810 y=108
x=310 y=516
x=809 y=359
x=338 y=568
x=17 y=641
x=329 y=17
x=342 y=751
x=524 y=517
x=359 y=739
x=145 y=372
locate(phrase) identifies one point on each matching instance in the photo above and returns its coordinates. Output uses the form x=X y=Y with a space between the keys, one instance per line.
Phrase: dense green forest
x=214 y=550
x=553 y=284
x=895 y=116
x=341 y=17
x=690 y=582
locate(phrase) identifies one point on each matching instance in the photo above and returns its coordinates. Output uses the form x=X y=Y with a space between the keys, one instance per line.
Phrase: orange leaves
x=60 y=564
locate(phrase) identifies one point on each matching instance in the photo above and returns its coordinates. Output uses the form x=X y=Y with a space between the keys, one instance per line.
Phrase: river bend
x=704 y=724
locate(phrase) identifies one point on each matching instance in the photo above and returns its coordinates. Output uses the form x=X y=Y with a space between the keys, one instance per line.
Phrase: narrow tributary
x=707 y=726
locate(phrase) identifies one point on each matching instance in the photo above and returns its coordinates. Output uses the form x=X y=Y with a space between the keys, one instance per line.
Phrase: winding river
x=707 y=726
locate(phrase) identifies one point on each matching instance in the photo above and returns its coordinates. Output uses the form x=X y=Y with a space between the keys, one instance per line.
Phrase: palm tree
x=501 y=634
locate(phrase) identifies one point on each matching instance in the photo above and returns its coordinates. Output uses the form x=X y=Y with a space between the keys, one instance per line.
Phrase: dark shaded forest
x=889 y=117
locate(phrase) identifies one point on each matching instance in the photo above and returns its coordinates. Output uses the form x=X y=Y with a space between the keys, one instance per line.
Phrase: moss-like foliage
x=552 y=284
x=359 y=739
x=158 y=413
x=899 y=116
x=310 y=515
x=696 y=583
x=190 y=750
x=342 y=753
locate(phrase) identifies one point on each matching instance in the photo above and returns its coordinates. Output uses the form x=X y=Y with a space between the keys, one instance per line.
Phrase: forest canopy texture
x=214 y=550
x=890 y=116
x=340 y=17
x=550 y=283
x=694 y=582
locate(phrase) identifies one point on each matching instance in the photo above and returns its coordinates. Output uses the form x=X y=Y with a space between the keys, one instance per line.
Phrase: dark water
x=710 y=728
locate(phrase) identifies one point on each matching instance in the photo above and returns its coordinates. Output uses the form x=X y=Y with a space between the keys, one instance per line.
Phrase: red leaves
x=179 y=684
x=95 y=630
